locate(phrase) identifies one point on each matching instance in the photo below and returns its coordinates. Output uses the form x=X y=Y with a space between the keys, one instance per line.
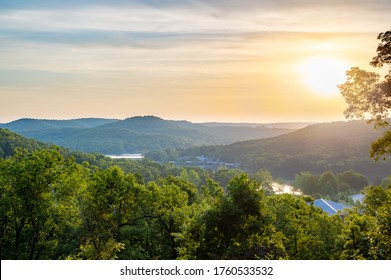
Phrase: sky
x=206 y=60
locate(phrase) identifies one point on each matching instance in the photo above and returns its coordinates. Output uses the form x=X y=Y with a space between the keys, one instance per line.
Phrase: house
x=330 y=207
x=357 y=197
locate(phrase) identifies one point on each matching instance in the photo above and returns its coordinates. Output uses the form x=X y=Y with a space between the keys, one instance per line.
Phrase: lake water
x=127 y=156
x=284 y=188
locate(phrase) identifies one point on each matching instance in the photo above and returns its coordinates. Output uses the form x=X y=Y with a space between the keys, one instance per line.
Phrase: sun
x=322 y=75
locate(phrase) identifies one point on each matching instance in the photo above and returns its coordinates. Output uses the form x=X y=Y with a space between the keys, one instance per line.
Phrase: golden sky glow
x=260 y=61
x=322 y=74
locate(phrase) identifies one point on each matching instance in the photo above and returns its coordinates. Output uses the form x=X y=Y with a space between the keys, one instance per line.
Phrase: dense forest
x=139 y=134
x=317 y=148
x=58 y=204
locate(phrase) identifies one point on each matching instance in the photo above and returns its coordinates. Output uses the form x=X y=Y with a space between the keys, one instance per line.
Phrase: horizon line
x=176 y=119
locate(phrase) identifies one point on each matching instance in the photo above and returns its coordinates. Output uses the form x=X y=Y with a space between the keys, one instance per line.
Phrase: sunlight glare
x=322 y=75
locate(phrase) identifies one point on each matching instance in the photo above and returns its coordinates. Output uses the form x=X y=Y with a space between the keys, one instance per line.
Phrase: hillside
x=9 y=141
x=36 y=124
x=317 y=148
x=142 y=199
x=136 y=134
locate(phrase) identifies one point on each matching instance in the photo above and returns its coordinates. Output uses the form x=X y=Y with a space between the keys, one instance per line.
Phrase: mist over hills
x=317 y=148
x=136 y=134
x=27 y=124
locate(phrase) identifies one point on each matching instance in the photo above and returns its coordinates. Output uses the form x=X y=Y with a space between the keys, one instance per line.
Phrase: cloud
x=143 y=50
x=189 y=16
x=113 y=35
x=218 y=4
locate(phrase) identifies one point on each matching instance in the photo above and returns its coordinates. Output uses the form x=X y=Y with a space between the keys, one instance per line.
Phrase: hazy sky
x=205 y=60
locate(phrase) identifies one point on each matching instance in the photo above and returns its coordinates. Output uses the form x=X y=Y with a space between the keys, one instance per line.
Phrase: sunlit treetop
x=369 y=98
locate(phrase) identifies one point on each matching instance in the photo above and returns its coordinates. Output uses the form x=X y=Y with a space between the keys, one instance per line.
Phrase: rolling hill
x=36 y=124
x=136 y=134
x=9 y=141
x=316 y=148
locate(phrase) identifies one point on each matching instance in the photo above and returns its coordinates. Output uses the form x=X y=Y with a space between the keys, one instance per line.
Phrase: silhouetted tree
x=368 y=96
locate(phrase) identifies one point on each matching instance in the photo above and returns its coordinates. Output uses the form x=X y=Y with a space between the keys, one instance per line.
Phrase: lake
x=284 y=188
x=127 y=156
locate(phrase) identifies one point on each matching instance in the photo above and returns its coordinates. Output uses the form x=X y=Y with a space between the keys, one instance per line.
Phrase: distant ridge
x=137 y=134
x=28 y=124
x=286 y=125
x=336 y=147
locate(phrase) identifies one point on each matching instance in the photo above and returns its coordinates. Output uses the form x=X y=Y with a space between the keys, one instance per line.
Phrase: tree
x=351 y=181
x=175 y=202
x=224 y=175
x=39 y=213
x=367 y=231
x=309 y=233
x=355 y=236
x=236 y=227
x=383 y=51
x=377 y=204
x=327 y=184
x=264 y=179
x=307 y=183
x=107 y=204
x=369 y=98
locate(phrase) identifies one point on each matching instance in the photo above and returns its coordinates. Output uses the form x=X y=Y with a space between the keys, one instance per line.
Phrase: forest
x=139 y=134
x=61 y=204
x=317 y=148
x=58 y=204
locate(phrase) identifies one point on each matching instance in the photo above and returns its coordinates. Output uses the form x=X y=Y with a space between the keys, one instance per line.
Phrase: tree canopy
x=369 y=97
x=52 y=207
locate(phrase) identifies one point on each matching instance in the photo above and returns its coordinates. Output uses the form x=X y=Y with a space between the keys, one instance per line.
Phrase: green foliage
x=236 y=227
x=328 y=184
x=52 y=207
x=354 y=181
x=318 y=148
x=106 y=205
x=224 y=175
x=264 y=179
x=356 y=237
x=309 y=233
x=9 y=141
x=307 y=183
x=367 y=230
x=39 y=193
